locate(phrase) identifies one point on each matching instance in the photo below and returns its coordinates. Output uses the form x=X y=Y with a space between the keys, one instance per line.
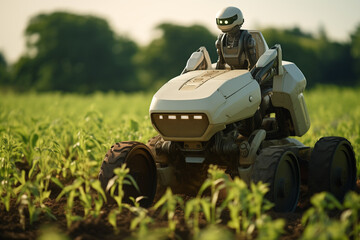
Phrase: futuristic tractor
x=241 y=121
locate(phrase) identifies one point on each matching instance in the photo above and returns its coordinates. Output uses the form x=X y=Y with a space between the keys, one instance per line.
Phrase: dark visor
x=226 y=21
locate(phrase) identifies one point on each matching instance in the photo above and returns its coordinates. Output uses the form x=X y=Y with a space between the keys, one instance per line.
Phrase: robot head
x=228 y=18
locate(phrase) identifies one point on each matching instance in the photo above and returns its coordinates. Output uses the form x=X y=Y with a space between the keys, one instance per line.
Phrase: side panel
x=261 y=45
x=240 y=105
x=288 y=93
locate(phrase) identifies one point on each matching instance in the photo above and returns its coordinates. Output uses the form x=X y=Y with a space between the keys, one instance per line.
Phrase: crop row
x=52 y=146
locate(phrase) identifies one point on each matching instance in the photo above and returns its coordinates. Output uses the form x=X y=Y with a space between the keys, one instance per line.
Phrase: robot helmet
x=228 y=18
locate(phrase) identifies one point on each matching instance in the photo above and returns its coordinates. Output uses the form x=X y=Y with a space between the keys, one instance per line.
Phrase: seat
x=261 y=45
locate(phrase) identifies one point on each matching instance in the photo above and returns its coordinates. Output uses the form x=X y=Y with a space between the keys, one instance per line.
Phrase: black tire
x=142 y=167
x=332 y=167
x=279 y=168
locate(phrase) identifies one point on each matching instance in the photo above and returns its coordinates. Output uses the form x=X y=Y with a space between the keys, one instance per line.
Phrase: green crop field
x=52 y=146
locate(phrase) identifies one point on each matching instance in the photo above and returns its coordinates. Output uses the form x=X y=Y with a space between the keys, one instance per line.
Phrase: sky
x=137 y=18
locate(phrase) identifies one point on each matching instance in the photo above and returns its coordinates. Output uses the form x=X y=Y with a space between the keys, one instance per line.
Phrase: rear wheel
x=280 y=169
x=332 y=167
x=142 y=167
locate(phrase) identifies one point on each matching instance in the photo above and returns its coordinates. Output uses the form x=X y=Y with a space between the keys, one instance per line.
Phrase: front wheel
x=139 y=160
x=332 y=167
x=279 y=168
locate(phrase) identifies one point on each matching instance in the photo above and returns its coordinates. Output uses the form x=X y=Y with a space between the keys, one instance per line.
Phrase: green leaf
x=70 y=200
x=112 y=217
x=57 y=182
x=76 y=218
x=133 y=182
x=111 y=185
x=49 y=213
x=163 y=199
x=206 y=209
x=33 y=139
x=189 y=206
x=70 y=188
x=207 y=183
x=134 y=223
x=97 y=186
x=84 y=198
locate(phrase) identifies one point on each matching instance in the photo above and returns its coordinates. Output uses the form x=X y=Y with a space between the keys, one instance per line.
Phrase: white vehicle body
x=241 y=121
x=223 y=96
x=197 y=104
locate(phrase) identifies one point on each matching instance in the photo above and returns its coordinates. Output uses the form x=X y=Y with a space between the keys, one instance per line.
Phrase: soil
x=99 y=228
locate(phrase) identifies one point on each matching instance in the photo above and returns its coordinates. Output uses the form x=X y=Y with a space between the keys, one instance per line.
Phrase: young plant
x=43 y=186
x=82 y=189
x=352 y=203
x=71 y=191
x=216 y=182
x=215 y=232
x=348 y=226
x=321 y=203
x=100 y=199
x=141 y=220
x=319 y=224
x=29 y=197
x=6 y=182
x=9 y=152
x=115 y=186
x=193 y=208
x=112 y=219
x=168 y=203
x=268 y=228
x=86 y=164
x=237 y=203
x=246 y=206
x=258 y=203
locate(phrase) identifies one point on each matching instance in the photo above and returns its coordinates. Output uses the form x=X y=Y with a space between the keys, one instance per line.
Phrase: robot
x=235 y=47
x=240 y=114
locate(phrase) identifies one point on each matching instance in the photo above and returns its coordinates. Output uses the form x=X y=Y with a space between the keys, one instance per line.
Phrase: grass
x=55 y=138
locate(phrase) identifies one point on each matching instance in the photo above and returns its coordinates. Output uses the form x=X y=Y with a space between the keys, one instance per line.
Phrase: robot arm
x=220 y=64
x=268 y=65
x=251 y=51
x=199 y=60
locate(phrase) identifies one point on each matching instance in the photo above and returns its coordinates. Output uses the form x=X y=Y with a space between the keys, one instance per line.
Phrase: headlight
x=180 y=124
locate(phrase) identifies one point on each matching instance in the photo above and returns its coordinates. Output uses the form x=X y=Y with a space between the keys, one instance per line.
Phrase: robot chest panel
x=233 y=53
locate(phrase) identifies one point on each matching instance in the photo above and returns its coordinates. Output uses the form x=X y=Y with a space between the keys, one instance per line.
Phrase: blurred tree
x=165 y=57
x=4 y=73
x=69 y=52
x=297 y=47
x=355 y=51
x=321 y=60
x=2 y=60
x=335 y=63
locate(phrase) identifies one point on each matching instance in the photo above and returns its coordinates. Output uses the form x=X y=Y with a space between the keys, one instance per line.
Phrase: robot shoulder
x=249 y=40
x=219 y=40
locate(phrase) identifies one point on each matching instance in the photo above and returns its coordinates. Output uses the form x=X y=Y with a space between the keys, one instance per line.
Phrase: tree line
x=81 y=53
